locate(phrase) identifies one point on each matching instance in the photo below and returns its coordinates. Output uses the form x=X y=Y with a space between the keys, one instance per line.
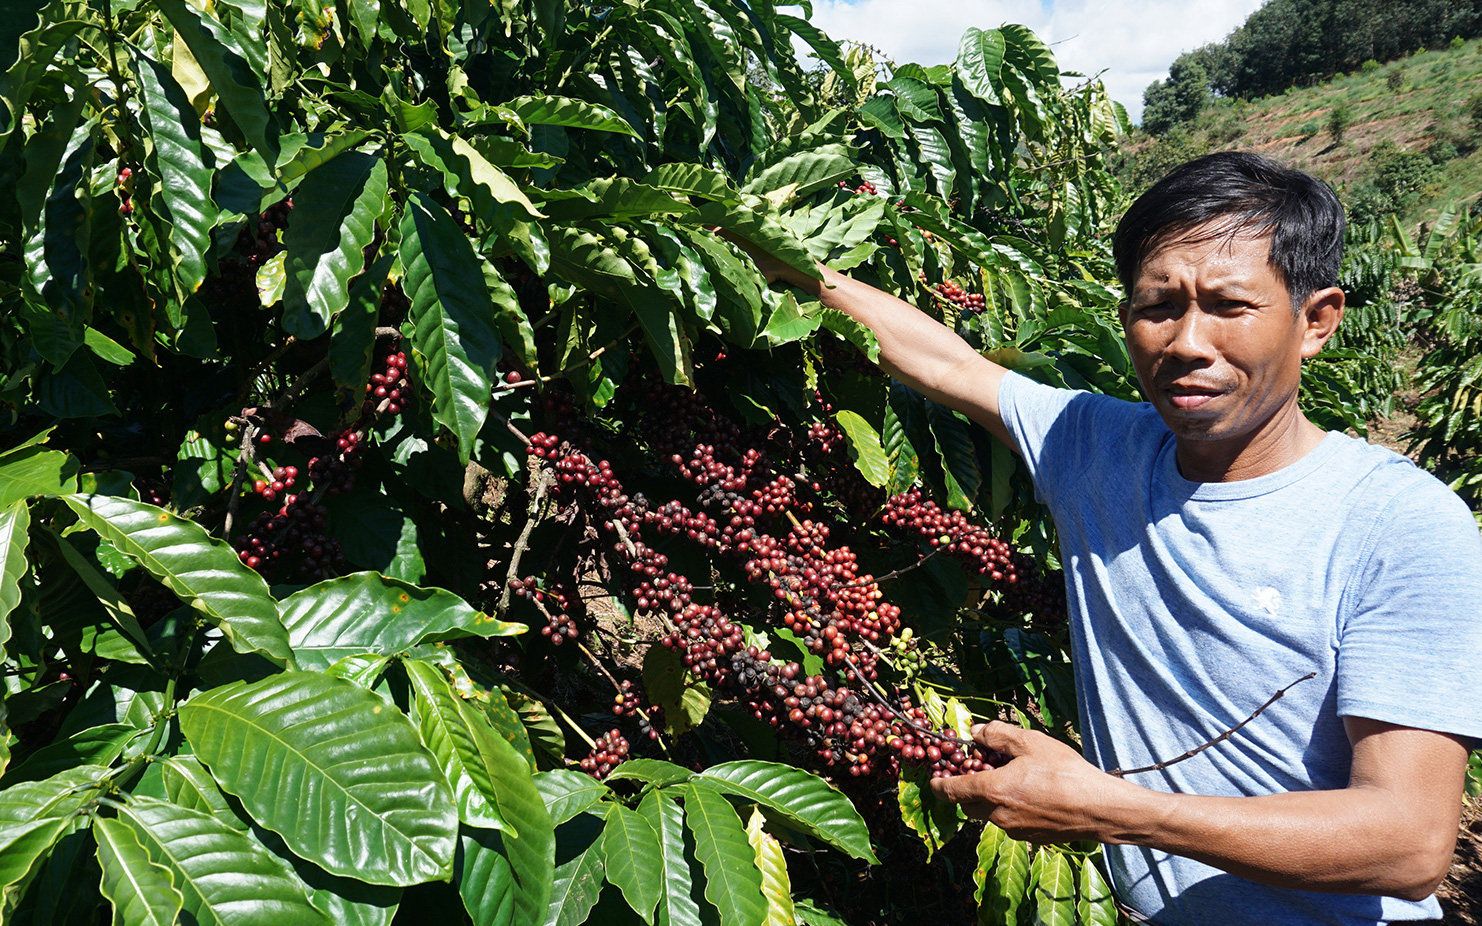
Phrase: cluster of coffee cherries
x=296 y=529
x=125 y=190
x=940 y=752
x=865 y=187
x=559 y=626
x=388 y=384
x=948 y=291
x=1022 y=585
x=629 y=703
x=610 y=752
x=283 y=480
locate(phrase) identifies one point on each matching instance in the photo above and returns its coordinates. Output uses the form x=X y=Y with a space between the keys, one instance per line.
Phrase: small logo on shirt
x=1268 y=599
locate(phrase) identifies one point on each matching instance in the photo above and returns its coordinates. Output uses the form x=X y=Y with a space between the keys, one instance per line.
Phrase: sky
x=1132 y=41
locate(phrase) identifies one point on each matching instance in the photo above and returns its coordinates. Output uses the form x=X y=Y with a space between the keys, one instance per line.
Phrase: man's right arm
x=914 y=348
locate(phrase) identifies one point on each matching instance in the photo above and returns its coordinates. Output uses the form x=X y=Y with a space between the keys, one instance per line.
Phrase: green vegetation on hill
x=1290 y=43
x=1407 y=142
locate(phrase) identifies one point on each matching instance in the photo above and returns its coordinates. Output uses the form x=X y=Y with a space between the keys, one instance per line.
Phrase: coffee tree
x=411 y=499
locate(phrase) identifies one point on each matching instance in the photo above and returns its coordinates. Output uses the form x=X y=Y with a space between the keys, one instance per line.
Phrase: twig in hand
x=900 y=714
x=543 y=482
x=1118 y=772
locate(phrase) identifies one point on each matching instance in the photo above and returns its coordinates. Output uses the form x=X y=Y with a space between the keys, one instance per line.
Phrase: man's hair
x=1233 y=193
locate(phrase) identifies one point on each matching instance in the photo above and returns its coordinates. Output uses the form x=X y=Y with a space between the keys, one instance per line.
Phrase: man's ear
x=1321 y=314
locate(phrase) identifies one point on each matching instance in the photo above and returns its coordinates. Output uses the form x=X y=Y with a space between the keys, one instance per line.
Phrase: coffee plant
x=412 y=506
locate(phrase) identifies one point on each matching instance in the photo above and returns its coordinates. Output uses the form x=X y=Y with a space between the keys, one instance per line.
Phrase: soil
x=1461 y=893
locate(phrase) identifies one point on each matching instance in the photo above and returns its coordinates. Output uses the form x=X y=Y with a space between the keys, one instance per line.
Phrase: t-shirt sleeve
x=1064 y=435
x=1410 y=650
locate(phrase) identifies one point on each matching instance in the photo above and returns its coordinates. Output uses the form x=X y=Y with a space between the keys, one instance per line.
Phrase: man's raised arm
x=914 y=348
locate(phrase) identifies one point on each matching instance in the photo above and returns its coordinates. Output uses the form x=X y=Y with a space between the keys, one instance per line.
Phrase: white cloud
x=1132 y=41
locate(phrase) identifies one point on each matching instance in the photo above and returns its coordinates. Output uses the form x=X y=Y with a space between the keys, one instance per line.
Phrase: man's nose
x=1192 y=336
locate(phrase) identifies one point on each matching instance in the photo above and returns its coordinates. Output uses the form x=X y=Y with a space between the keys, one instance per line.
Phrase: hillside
x=1418 y=105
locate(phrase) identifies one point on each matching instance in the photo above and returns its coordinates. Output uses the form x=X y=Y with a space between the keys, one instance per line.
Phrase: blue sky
x=1133 y=41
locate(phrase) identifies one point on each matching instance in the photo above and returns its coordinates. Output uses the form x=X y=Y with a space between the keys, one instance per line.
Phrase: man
x=1219 y=546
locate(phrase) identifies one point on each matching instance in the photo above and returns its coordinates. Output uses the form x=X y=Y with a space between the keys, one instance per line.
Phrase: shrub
x=1370 y=66
x=1339 y=119
x=1458 y=42
x=1395 y=79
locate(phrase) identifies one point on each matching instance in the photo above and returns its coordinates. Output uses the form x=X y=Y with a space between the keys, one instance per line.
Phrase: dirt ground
x=1461 y=894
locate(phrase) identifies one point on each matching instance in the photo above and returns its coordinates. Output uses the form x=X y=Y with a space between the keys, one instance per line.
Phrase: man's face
x=1213 y=338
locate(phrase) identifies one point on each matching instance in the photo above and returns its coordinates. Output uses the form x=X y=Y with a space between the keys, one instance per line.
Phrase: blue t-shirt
x=1192 y=603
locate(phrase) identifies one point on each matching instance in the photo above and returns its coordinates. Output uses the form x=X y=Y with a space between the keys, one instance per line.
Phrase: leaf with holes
x=334 y=769
x=195 y=566
x=807 y=802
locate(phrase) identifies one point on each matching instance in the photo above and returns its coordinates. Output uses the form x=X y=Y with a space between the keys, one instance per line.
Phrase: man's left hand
x=1046 y=793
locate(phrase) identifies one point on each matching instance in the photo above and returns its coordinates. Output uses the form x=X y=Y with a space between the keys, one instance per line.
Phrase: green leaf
x=979 y=60
x=693 y=180
x=183 y=199
x=577 y=885
x=57 y=287
x=35 y=814
x=576 y=114
x=334 y=769
x=1054 y=888
x=1007 y=890
x=567 y=793
x=635 y=864
x=113 y=603
x=959 y=457
x=864 y=448
x=651 y=771
x=225 y=877
x=466 y=172
x=669 y=687
x=989 y=843
x=905 y=462
x=762 y=230
x=197 y=567
x=14 y=523
x=801 y=172
x=677 y=907
x=227 y=60
x=333 y=221
x=500 y=881
x=807 y=802
x=491 y=781
x=776 y=885
x=188 y=784
x=141 y=891
x=934 y=820
x=1094 y=903
x=732 y=883
x=369 y=613
x=452 y=316
x=98 y=745
x=352 y=337
x=31 y=470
